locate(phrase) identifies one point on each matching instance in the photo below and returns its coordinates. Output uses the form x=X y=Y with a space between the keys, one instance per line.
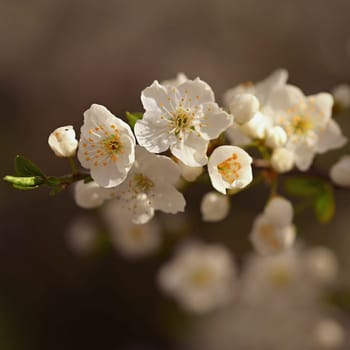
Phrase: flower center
x=112 y=144
x=141 y=183
x=280 y=276
x=202 y=277
x=182 y=121
x=267 y=232
x=300 y=125
x=229 y=168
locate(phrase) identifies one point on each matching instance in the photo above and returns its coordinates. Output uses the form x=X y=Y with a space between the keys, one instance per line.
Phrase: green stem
x=73 y=166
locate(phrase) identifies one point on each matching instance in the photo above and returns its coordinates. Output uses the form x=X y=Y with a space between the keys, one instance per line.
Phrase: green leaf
x=25 y=167
x=25 y=183
x=304 y=186
x=324 y=205
x=133 y=118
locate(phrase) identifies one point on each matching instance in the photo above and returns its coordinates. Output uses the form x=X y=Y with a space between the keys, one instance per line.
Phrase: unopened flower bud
x=63 y=142
x=244 y=107
x=282 y=160
x=340 y=172
x=214 y=206
x=276 y=137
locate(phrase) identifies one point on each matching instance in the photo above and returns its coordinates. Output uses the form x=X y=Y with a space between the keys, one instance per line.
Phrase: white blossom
x=200 y=277
x=341 y=95
x=62 y=141
x=89 y=195
x=243 y=107
x=257 y=127
x=340 y=172
x=307 y=122
x=131 y=240
x=214 y=206
x=150 y=186
x=329 y=334
x=273 y=231
x=183 y=118
x=229 y=167
x=282 y=160
x=107 y=146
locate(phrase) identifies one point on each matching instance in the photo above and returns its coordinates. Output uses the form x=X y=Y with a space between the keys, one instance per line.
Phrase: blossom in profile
x=181 y=118
x=272 y=230
x=201 y=277
x=230 y=167
x=150 y=186
x=340 y=172
x=131 y=240
x=106 y=147
x=214 y=206
x=63 y=142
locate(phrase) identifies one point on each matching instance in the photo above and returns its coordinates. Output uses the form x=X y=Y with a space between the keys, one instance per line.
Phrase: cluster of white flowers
x=183 y=121
x=284 y=119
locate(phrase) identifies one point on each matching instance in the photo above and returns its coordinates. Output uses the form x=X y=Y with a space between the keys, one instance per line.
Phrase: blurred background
x=57 y=57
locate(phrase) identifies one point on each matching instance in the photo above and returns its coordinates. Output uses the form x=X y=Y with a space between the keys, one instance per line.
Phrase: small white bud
x=63 y=142
x=244 y=107
x=341 y=95
x=340 y=172
x=214 y=206
x=329 y=334
x=257 y=126
x=282 y=160
x=276 y=137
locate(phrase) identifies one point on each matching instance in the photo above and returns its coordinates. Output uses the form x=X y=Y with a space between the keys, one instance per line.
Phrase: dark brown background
x=59 y=56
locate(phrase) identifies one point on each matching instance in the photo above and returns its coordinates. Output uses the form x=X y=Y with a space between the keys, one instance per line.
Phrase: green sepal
x=25 y=167
x=25 y=182
x=133 y=118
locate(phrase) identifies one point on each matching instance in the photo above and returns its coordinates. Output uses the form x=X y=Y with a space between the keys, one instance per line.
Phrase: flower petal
x=196 y=92
x=191 y=149
x=330 y=138
x=168 y=199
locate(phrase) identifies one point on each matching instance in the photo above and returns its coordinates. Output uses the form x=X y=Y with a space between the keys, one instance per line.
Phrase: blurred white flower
x=273 y=231
x=132 y=241
x=62 y=141
x=107 y=146
x=81 y=235
x=243 y=107
x=230 y=167
x=307 y=122
x=150 y=186
x=89 y=195
x=180 y=79
x=183 y=118
x=257 y=126
x=276 y=137
x=340 y=171
x=214 y=206
x=189 y=173
x=321 y=264
x=341 y=95
x=282 y=160
x=201 y=277
x=329 y=334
